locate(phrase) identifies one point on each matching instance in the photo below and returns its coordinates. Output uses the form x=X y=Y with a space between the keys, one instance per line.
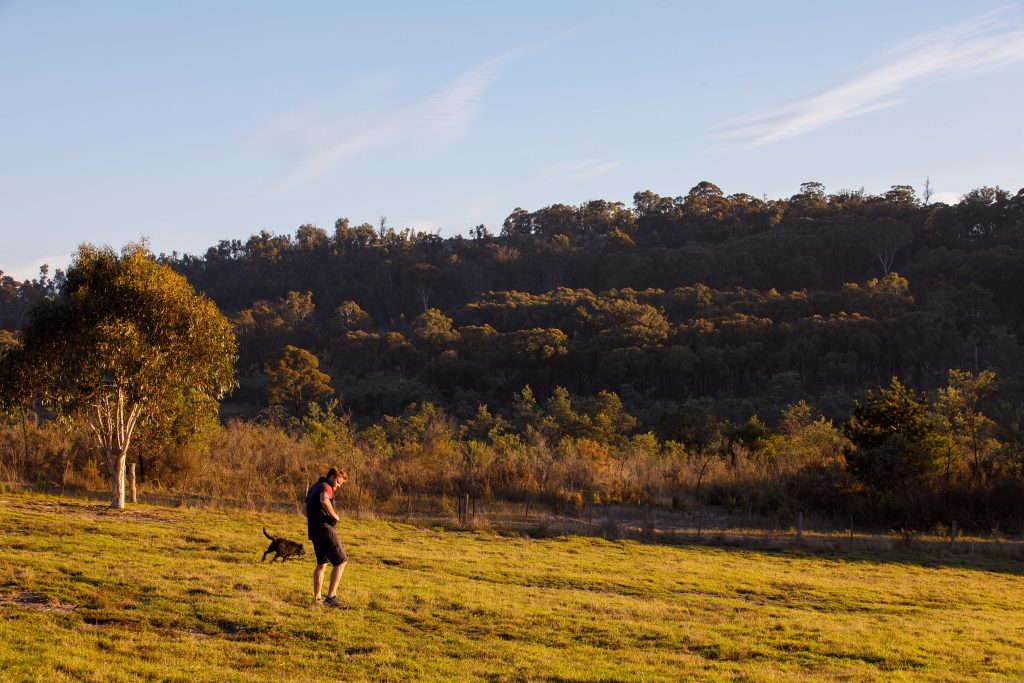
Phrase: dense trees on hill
x=749 y=301
x=681 y=332
x=654 y=345
x=811 y=241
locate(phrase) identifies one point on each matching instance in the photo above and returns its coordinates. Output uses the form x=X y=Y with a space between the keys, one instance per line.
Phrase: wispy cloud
x=571 y=171
x=324 y=139
x=477 y=209
x=990 y=41
x=318 y=138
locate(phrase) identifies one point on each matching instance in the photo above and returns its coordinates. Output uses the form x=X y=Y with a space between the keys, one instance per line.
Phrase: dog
x=283 y=548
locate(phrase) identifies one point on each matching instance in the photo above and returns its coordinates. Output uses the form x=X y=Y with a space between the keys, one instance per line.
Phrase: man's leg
x=318 y=579
x=336 y=573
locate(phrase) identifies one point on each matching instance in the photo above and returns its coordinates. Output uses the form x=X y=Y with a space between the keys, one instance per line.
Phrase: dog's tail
x=266 y=534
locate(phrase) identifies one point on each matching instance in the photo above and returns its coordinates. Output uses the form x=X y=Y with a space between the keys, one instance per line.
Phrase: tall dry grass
x=416 y=462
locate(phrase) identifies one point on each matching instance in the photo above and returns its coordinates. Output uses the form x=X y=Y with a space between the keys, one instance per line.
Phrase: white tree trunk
x=118 y=466
x=113 y=425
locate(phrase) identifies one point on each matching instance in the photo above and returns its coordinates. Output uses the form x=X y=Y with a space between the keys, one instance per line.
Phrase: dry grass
x=159 y=593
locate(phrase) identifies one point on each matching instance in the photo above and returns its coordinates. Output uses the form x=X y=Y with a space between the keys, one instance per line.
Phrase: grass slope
x=159 y=593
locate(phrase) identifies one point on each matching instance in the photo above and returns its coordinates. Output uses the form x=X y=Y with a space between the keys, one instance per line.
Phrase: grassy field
x=160 y=593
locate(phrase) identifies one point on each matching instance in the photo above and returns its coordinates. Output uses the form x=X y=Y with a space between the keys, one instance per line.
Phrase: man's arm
x=327 y=505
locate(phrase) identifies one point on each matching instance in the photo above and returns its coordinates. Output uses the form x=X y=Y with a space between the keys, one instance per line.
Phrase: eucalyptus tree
x=123 y=339
x=296 y=381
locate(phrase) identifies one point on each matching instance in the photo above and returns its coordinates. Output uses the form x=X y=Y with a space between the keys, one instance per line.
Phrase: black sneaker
x=333 y=601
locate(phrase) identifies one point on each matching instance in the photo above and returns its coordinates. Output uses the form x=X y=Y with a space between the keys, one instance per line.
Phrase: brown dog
x=282 y=547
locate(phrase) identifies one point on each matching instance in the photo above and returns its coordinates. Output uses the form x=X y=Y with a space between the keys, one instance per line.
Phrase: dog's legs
x=270 y=550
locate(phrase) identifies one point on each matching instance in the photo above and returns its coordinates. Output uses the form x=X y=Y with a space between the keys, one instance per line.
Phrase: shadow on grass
x=978 y=554
x=872 y=549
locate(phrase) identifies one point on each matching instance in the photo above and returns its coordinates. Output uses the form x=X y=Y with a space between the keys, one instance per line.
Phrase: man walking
x=320 y=521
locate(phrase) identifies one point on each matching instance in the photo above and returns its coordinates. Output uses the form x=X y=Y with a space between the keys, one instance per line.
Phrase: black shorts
x=328 y=548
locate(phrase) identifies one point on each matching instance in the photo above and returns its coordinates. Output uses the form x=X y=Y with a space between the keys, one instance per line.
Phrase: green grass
x=158 y=593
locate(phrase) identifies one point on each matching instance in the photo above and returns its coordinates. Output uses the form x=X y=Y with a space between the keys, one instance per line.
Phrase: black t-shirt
x=316 y=517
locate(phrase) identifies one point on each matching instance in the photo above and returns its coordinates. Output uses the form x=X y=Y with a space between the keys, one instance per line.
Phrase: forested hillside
x=852 y=353
x=755 y=304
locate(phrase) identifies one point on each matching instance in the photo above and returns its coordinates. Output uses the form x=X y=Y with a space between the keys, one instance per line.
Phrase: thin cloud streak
x=476 y=210
x=439 y=118
x=324 y=140
x=984 y=43
x=571 y=171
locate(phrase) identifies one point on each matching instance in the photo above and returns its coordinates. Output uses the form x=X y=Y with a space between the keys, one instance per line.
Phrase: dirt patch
x=98 y=512
x=107 y=513
x=44 y=507
x=38 y=601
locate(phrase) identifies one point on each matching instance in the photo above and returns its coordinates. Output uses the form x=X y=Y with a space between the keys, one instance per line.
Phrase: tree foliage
x=124 y=339
x=894 y=438
x=296 y=380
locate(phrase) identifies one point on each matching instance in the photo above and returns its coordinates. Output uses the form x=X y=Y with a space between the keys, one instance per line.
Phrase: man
x=320 y=521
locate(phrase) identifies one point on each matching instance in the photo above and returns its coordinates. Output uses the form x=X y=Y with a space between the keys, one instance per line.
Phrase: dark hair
x=334 y=474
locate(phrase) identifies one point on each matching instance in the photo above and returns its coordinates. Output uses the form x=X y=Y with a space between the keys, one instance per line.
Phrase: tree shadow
x=986 y=555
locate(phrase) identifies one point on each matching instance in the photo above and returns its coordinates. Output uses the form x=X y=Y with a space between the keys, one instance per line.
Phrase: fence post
x=952 y=536
x=851 y=532
x=132 y=470
x=465 y=508
x=799 y=528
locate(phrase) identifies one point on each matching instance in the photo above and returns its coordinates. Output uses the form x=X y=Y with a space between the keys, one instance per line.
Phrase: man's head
x=336 y=477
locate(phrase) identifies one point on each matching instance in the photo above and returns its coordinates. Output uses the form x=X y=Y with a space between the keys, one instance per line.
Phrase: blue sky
x=191 y=122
